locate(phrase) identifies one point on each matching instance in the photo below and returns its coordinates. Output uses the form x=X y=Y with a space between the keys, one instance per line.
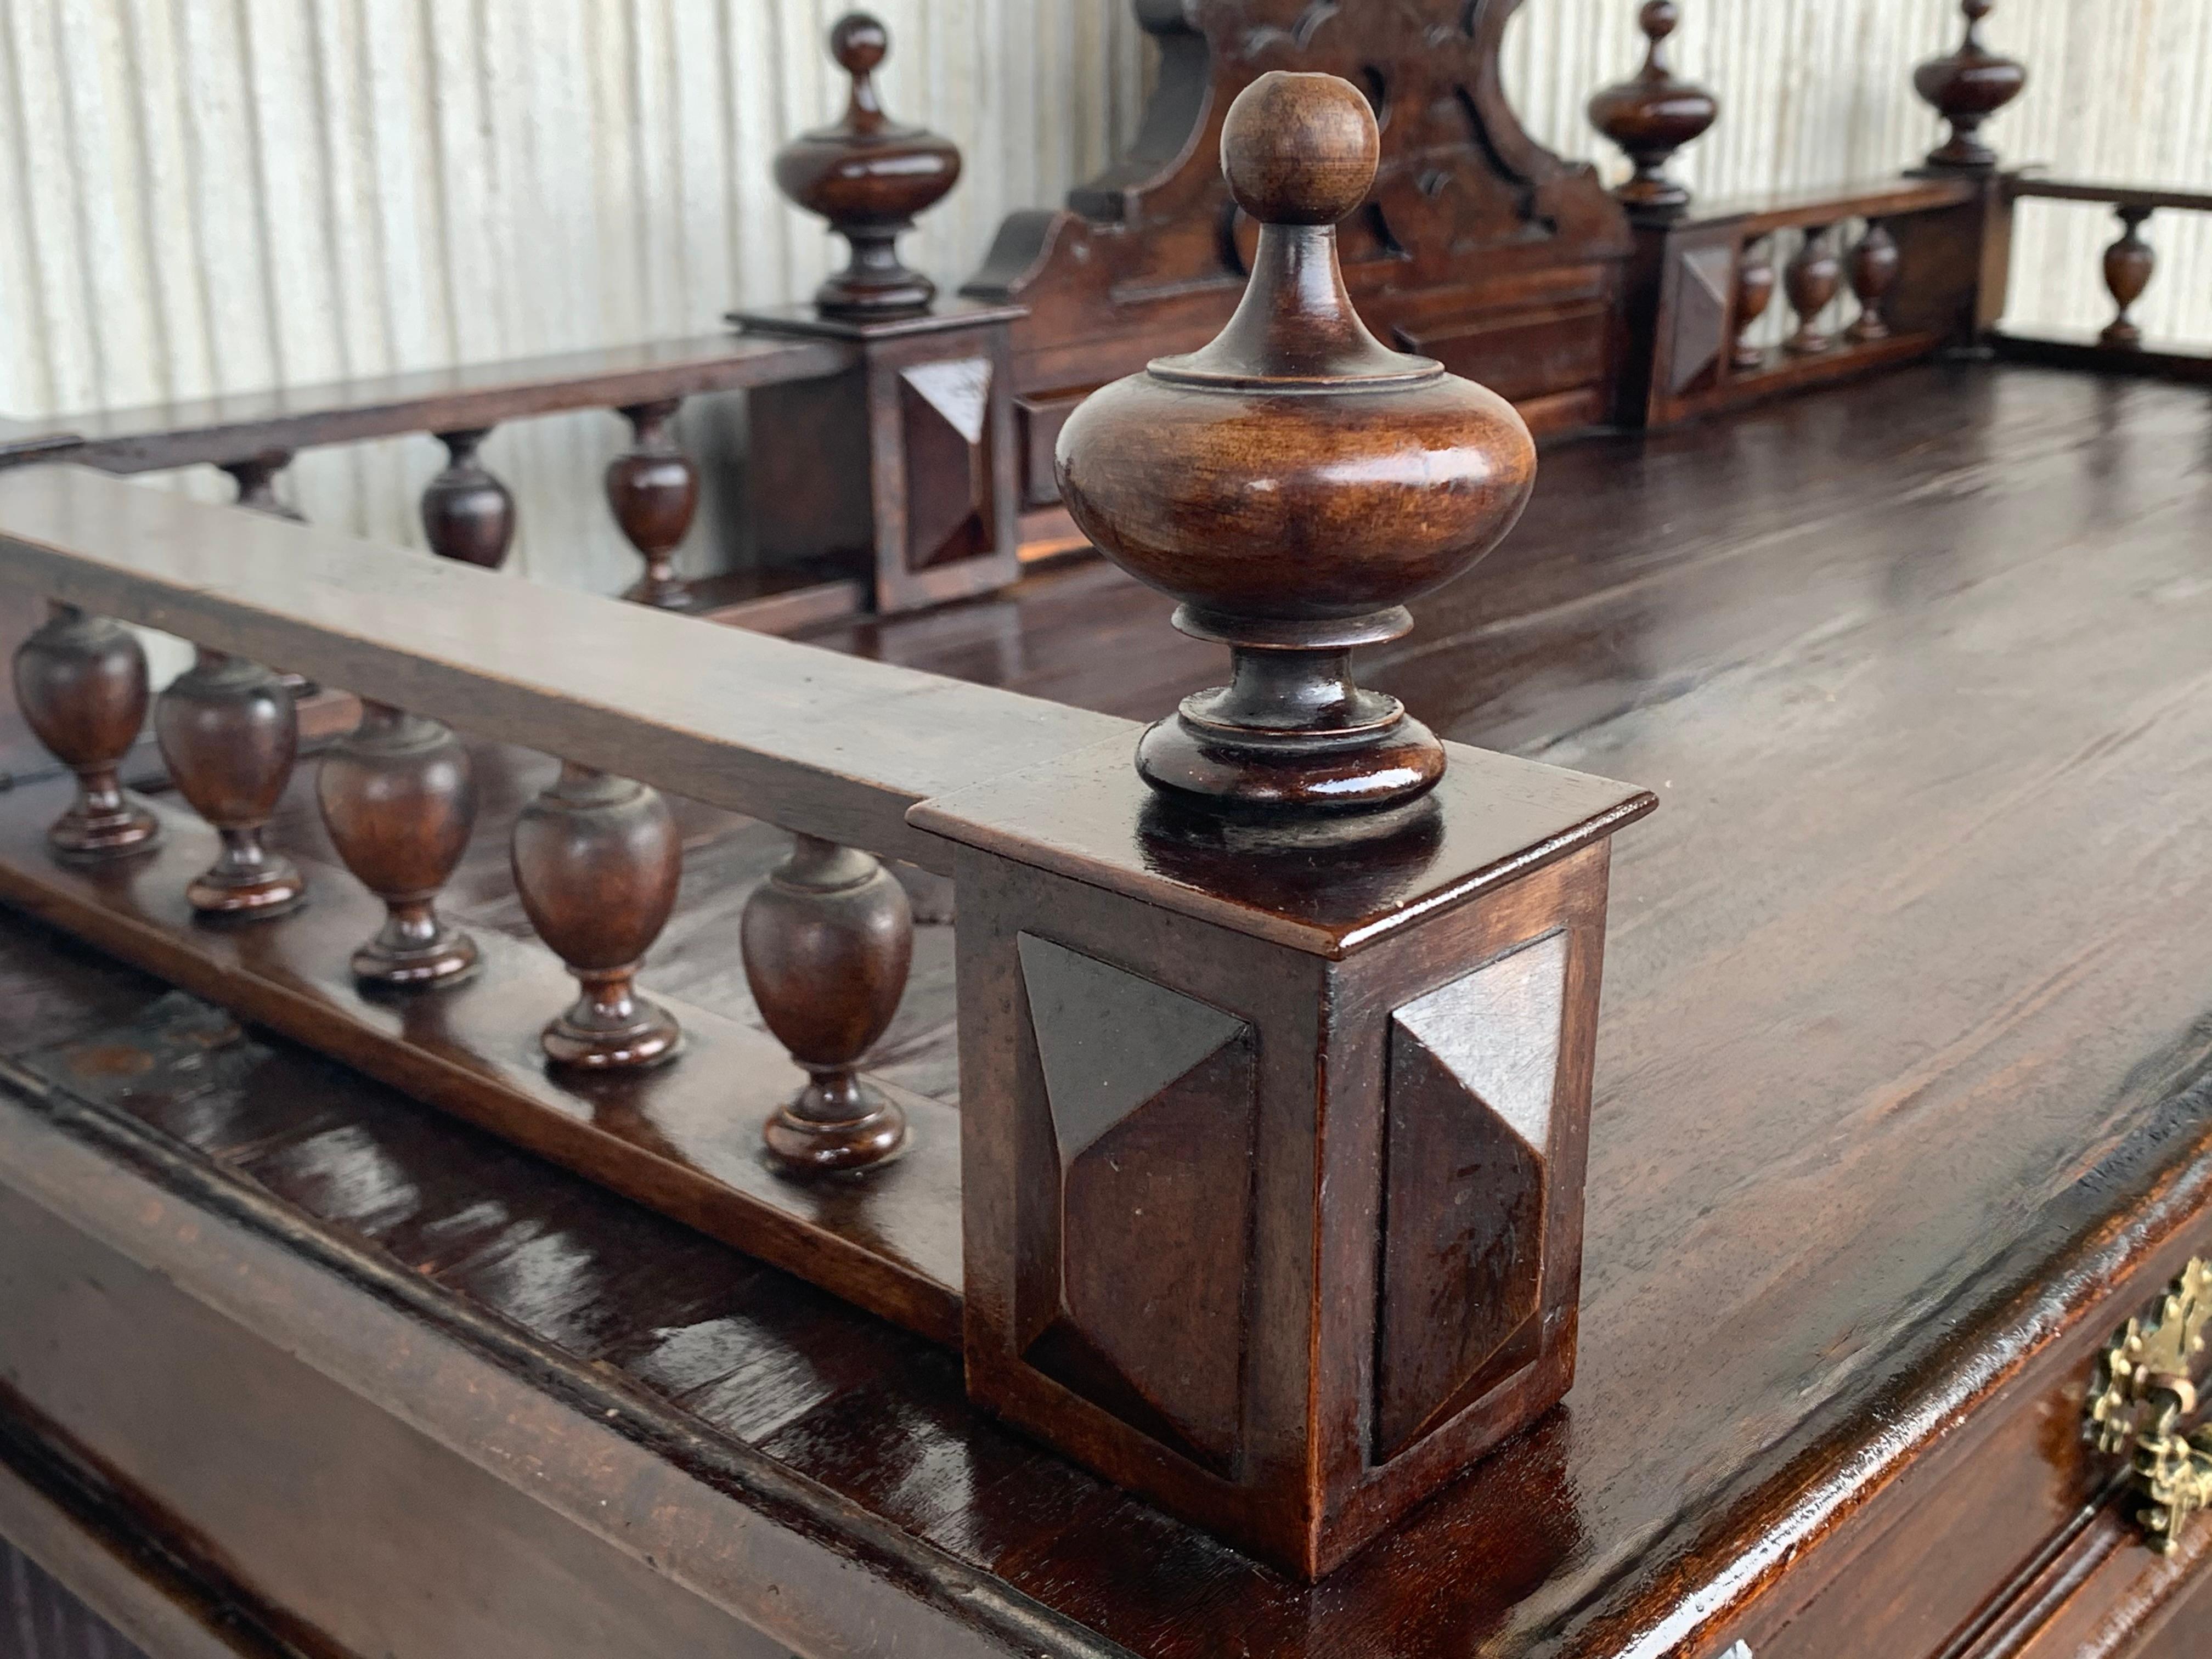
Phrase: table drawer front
x=2013 y=1536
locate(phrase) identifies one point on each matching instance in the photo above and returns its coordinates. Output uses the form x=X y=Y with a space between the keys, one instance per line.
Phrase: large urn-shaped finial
x=1294 y=484
x=868 y=176
x=1651 y=116
x=1968 y=87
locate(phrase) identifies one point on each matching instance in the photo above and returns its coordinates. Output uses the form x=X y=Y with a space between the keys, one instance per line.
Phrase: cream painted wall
x=218 y=195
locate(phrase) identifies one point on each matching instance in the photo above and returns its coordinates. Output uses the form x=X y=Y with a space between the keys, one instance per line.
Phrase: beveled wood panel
x=815 y=741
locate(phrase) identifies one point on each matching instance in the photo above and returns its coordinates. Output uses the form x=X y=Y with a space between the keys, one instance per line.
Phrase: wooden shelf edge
x=679 y=1139
x=109 y=1561
x=2057 y=348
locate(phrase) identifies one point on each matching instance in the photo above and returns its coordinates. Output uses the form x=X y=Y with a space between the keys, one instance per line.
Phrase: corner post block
x=1275 y=1047
x=902 y=467
x=1272 y=1146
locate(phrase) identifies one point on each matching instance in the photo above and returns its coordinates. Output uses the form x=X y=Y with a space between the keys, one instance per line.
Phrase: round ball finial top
x=1293 y=484
x=1300 y=149
x=859 y=43
x=1658 y=20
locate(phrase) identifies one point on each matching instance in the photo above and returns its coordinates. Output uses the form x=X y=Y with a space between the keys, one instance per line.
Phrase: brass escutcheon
x=2144 y=1391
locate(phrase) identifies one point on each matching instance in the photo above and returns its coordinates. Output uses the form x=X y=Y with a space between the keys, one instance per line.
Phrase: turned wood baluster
x=81 y=683
x=1967 y=87
x=653 y=487
x=596 y=863
x=2129 y=264
x=1874 y=266
x=1812 y=280
x=229 y=732
x=828 y=941
x=256 y=478
x=467 y=513
x=1652 y=116
x=1755 y=292
x=399 y=797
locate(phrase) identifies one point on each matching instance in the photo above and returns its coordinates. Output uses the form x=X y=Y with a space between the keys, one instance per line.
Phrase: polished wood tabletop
x=1905 y=1003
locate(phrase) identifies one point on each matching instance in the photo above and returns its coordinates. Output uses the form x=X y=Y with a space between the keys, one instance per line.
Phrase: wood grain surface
x=1897 y=1069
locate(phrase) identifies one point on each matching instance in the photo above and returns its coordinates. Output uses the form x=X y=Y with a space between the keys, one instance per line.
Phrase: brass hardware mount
x=2144 y=1389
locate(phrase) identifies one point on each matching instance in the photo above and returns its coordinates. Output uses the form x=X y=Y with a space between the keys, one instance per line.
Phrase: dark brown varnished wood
x=1893 y=1117
x=1293 y=484
x=1873 y=268
x=1653 y=115
x=398 y=801
x=526 y=663
x=1967 y=87
x=229 y=733
x=596 y=863
x=1755 y=292
x=468 y=515
x=679 y=1139
x=2085 y=350
x=256 y=477
x=828 y=941
x=1476 y=246
x=2037 y=187
x=1889 y=198
x=868 y=176
x=1183 y=1053
x=81 y=686
x=1812 y=278
x=2130 y=263
x=654 y=489
x=901 y=472
x=1933 y=258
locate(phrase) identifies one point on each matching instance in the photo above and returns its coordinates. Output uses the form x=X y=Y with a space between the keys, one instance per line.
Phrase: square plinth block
x=1272 y=1141
x=902 y=467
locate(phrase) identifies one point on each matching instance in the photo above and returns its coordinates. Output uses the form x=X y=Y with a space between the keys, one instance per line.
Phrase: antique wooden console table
x=1899 y=1118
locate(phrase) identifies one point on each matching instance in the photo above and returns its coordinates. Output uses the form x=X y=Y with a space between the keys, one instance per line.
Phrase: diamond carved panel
x=1473 y=1067
x=1702 y=305
x=944 y=414
x=1152 y=1096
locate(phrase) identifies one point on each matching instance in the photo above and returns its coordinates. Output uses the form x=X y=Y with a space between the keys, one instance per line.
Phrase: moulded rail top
x=238 y=425
x=832 y=746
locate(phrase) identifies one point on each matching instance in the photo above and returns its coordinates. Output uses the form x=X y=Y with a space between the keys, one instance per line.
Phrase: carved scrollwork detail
x=2144 y=1390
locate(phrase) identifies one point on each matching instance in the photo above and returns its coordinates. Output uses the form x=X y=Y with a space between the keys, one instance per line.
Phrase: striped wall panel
x=210 y=195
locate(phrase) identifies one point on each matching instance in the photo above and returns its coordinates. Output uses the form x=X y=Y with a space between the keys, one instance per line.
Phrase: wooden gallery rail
x=901 y=444
x=1265 y=1195
x=2130 y=263
x=882 y=420
x=1922 y=256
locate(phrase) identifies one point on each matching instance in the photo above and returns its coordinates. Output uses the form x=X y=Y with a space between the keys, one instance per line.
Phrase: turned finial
x=1968 y=87
x=868 y=176
x=1293 y=484
x=1651 y=116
